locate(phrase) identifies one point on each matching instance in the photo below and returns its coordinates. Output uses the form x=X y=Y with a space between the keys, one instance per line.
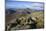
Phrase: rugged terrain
x=24 y=19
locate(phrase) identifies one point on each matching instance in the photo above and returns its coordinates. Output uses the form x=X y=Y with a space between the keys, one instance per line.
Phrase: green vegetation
x=35 y=20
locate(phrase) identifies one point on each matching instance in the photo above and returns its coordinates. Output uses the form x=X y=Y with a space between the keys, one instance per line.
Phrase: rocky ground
x=33 y=20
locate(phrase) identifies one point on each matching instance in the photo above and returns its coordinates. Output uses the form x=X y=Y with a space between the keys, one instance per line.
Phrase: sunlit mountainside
x=12 y=15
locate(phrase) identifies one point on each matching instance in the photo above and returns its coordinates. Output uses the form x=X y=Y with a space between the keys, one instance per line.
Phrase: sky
x=24 y=4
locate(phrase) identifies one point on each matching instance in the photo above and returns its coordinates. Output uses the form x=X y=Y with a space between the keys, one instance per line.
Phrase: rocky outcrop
x=23 y=23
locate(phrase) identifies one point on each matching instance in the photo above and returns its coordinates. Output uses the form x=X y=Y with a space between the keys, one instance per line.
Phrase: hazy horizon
x=25 y=4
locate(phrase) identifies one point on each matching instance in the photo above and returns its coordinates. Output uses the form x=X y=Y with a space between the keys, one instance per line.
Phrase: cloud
x=31 y=5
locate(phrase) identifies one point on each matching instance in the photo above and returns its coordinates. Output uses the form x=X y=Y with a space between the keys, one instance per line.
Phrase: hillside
x=24 y=19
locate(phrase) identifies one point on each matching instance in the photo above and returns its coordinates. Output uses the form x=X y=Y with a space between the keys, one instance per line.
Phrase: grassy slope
x=39 y=15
